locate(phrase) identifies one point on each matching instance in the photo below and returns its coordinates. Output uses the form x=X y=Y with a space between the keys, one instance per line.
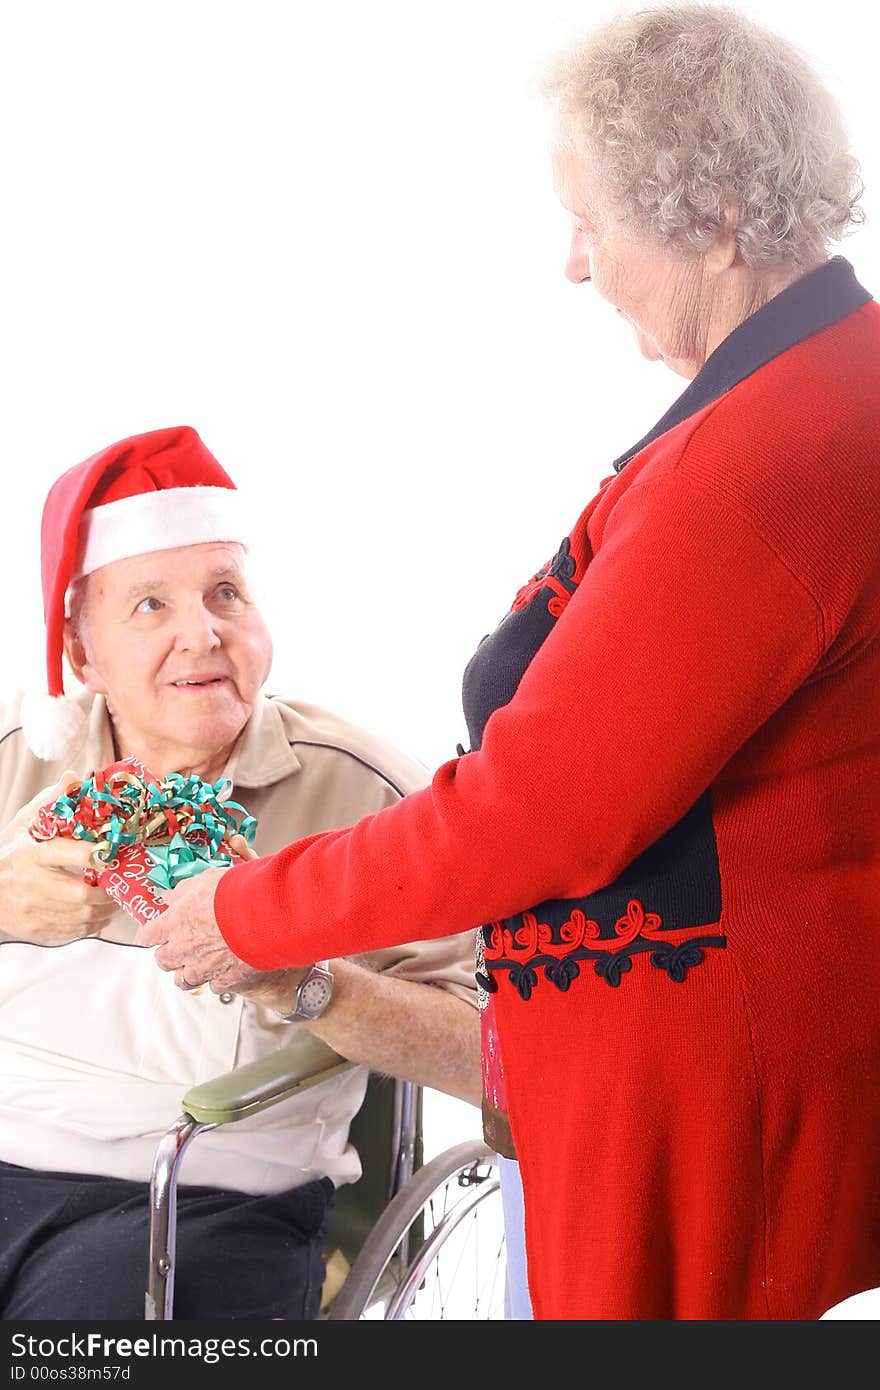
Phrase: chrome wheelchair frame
x=391 y=1264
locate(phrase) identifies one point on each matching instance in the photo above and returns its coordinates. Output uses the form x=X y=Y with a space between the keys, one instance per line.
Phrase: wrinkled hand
x=43 y=898
x=187 y=935
x=190 y=943
x=276 y=989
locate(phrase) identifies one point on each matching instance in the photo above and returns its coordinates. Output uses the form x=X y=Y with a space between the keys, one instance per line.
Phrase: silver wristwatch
x=313 y=994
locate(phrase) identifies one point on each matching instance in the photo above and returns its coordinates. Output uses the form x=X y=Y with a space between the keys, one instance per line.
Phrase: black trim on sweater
x=810 y=304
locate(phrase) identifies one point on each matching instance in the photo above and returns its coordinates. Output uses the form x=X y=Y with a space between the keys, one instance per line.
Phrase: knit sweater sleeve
x=684 y=636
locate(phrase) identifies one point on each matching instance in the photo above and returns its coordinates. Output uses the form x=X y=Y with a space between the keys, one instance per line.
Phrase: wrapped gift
x=149 y=833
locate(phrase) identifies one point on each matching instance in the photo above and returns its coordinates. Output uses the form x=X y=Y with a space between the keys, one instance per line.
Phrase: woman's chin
x=647 y=346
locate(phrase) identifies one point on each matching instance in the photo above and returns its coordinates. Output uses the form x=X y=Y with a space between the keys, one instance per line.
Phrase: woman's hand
x=275 y=989
x=43 y=898
x=191 y=945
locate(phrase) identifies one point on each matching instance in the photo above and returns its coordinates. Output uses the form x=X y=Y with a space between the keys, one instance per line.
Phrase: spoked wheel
x=452 y=1265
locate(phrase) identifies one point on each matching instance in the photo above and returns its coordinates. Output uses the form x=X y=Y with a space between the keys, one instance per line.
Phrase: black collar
x=813 y=302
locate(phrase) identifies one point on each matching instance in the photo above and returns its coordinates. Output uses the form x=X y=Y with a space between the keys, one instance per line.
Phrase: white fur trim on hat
x=160 y=520
x=52 y=725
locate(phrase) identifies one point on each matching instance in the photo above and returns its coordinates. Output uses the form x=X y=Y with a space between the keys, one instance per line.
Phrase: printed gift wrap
x=149 y=833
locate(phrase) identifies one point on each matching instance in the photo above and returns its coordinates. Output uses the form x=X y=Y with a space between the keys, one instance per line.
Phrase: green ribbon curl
x=181 y=859
x=137 y=816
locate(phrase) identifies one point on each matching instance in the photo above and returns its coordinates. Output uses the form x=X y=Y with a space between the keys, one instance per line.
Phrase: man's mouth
x=198 y=682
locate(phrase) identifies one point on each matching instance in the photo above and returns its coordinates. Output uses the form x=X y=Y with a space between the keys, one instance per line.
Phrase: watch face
x=314 y=995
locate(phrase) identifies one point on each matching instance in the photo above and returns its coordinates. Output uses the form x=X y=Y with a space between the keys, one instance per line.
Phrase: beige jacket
x=97 y=1045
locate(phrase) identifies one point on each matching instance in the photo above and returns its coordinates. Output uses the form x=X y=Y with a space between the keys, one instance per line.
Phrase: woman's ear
x=723 y=252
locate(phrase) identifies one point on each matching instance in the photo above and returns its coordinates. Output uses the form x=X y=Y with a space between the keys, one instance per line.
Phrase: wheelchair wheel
x=457 y=1270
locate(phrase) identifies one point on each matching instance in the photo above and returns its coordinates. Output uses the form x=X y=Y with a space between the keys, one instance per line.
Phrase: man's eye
x=227 y=593
x=149 y=605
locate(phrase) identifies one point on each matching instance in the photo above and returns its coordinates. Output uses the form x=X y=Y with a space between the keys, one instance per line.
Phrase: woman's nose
x=577 y=267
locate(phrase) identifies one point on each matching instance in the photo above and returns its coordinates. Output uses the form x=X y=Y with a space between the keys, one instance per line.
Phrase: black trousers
x=75 y=1246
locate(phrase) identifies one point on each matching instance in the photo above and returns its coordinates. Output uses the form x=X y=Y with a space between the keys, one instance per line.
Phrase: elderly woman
x=668 y=817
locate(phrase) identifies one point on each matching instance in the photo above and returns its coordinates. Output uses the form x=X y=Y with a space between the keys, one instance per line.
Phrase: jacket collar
x=816 y=300
x=97 y=749
x=261 y=756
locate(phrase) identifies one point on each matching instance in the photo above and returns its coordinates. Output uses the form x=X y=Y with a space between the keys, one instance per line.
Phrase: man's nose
x=197 y=630
x=577 y=267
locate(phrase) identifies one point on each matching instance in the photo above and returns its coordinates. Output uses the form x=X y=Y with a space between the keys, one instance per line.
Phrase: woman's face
x=660 y=294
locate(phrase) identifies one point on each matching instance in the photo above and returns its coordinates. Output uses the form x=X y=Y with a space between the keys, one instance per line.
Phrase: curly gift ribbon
x=183 y=822
x=181 y=859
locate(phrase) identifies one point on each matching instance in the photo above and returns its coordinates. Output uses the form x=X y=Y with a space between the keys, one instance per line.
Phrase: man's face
x=175 y=642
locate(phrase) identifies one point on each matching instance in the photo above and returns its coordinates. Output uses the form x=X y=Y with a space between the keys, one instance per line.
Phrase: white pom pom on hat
x=154 y=491
x=52 y=725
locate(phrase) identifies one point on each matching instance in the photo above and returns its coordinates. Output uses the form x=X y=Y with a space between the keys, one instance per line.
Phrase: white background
x=324 y=234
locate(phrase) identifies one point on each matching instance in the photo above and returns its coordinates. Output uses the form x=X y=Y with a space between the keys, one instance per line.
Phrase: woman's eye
x=149 y=605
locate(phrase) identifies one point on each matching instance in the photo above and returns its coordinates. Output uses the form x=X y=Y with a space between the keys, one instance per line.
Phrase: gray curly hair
x=684 y=107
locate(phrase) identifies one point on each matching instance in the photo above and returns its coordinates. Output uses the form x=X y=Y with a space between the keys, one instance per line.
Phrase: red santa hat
x=153 y=491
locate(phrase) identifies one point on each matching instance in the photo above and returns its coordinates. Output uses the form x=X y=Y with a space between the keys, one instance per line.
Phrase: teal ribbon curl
x=181 y=859
x=197 y=847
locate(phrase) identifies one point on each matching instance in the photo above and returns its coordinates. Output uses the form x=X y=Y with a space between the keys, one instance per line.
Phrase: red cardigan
x=699 y=1144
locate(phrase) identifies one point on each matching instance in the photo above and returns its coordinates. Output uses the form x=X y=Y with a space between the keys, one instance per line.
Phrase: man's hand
x=190 y=944
x=43 y=898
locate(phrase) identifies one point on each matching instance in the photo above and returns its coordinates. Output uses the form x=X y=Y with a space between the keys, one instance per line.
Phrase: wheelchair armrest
x=255 y=1087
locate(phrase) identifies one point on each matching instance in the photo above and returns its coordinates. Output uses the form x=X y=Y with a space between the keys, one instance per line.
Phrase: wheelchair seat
x=393 y=1233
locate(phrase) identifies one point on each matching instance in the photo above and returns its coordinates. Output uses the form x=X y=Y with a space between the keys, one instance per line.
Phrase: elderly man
x=144 y=541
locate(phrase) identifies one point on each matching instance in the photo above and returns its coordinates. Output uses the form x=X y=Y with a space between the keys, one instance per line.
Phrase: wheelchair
x=409 y=1240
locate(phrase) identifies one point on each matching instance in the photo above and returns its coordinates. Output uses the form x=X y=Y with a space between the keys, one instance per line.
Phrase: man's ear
x=78 y=661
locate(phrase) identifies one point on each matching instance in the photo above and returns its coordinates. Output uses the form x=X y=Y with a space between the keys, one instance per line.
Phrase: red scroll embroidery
x=536 y=938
